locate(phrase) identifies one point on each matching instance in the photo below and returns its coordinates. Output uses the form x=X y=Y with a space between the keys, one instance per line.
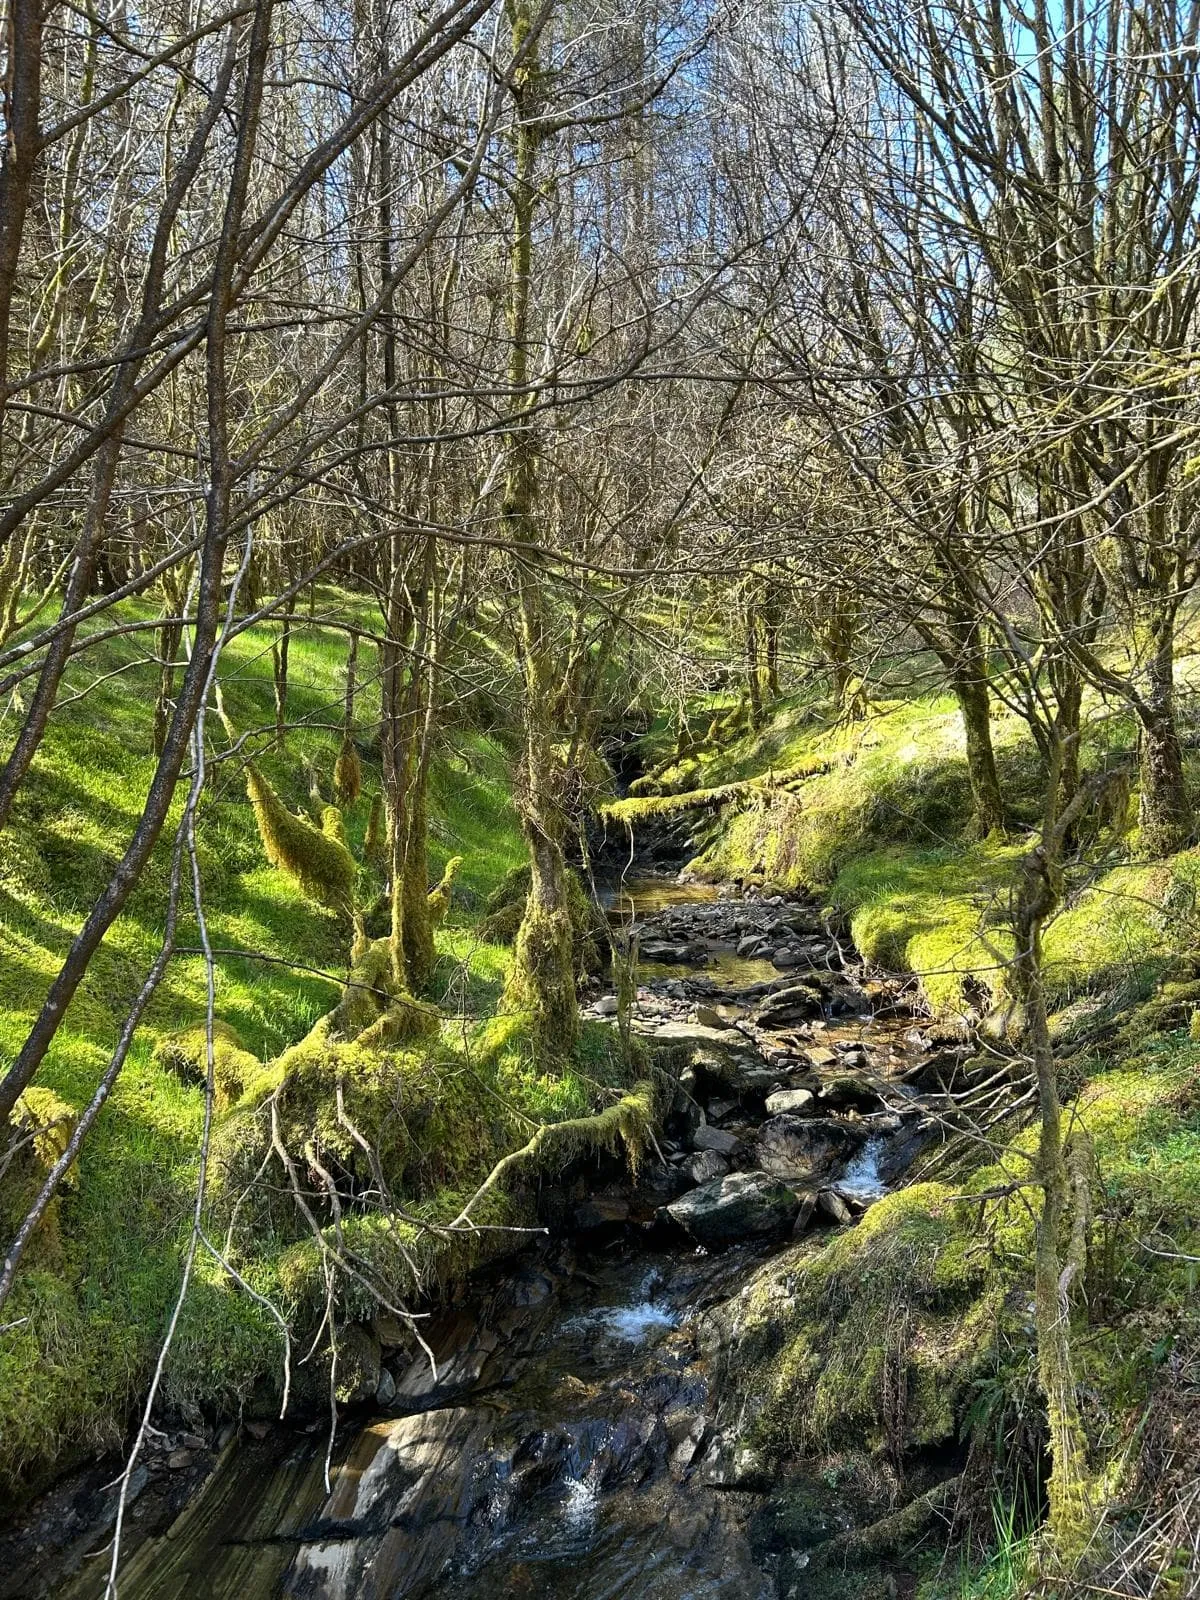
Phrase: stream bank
x=585 y=1434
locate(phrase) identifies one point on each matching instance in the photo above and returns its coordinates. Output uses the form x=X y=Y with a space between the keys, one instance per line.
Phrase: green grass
x=96 y=1313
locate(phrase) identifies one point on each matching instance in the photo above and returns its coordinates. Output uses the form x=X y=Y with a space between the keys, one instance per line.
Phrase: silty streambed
x=573 y=1443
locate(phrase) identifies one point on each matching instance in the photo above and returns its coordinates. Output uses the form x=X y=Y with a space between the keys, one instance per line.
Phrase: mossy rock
x=186 y=1055
x=880 y=1337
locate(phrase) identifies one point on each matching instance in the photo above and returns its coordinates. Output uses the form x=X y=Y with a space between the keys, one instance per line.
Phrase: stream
x=574 y=1442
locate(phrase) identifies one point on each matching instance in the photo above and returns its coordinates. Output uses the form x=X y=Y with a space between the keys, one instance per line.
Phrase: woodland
x=598 y=638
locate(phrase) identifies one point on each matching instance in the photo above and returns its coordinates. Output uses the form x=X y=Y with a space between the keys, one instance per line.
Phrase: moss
x=875 y=1338
x=375 y=843
x=347 y=774
x=542 y=981
x=938 y=914
x=504 y=910
x=644 y=807
x=186 y=1054
x=42 y=1125
x=319 y=863
x=333 y=825
x=97 y=1303
x=439 y=895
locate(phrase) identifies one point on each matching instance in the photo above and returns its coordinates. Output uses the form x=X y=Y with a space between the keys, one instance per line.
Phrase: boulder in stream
x=705 y=1165
x=788 y=1101
x=797 y=1002
x=744 y=1205
x=850 y=1089
x=806 y=1149
x=706 y=1137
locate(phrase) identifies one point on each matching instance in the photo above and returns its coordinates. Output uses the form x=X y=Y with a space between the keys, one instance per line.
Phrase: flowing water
x=573 y=1444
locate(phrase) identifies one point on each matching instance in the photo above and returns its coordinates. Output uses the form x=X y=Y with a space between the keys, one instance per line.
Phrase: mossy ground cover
x=99 y=1285
x=913 y=1333
x=873 y=816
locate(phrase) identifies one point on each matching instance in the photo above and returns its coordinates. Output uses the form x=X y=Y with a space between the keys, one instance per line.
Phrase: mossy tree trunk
x=417 y=921
x=542 y=979
x=1039 y=892
x=1166 y=817
x=969 y=681
x=753 y=668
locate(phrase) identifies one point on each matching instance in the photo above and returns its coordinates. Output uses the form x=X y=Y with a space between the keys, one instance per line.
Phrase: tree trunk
x=541 y=983
x=279 y=670
x=753 y=669
x=542 y=980
x=417 y=933
x=1165 y=814
x=970 y=690
x=22 y=103
x=1038 y=895
x=170 y=636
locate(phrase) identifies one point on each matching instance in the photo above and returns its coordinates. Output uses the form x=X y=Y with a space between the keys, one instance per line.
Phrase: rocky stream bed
x=581 y=1437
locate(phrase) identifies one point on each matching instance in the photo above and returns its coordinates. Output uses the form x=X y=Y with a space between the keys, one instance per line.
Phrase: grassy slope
x=880 y=832
x=103 y=1276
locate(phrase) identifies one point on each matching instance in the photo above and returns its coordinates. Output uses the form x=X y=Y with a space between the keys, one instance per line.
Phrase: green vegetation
x=898 y=1339
x=92 y=1300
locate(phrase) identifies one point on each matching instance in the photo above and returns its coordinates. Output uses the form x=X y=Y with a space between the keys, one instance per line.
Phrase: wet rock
x=848 y=1000
x=722 y=1040
x=528 y=1287
x=745 y=1075
x=684 y=1118
x=744 y=1205
x=849 y=1089
x=664 y=951
x=706 y=1165
x=358 y=1359
x=405 y=1494
x=724 y=1143
x=712 y=1017
x=806 y=1149
x=718 y=1110
x=794 y=1004
x=788 y=1101
x=899 y=1152
x=390 y=1331
x=602 y=1211
x=386 y=1392
x=831 y=1205
x=789 y=955
x=752 y=945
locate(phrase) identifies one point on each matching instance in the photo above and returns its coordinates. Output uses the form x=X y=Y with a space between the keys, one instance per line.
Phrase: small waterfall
x=861 y=1177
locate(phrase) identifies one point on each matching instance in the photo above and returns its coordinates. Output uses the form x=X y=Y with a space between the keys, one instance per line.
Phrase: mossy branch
x=896 y=1532
x=629 y=1121
x=642 y=807
x=317 y=859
